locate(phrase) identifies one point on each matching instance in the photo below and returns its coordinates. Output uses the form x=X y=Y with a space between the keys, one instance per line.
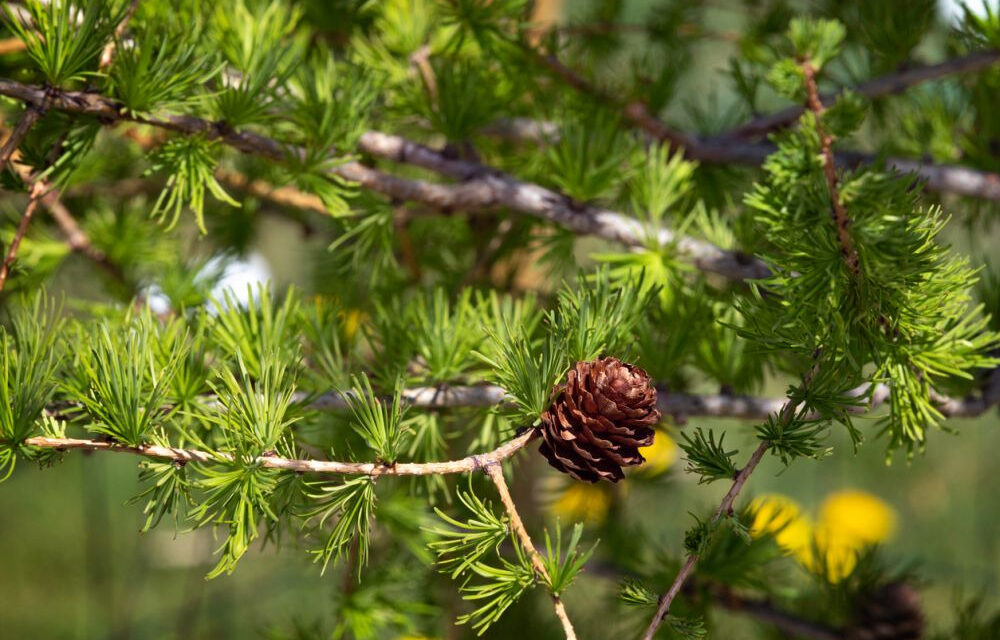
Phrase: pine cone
x=891 y=613
x=599 y=419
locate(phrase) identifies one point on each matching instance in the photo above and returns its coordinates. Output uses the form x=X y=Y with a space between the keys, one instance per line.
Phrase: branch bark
x=375 y=469
x=724 y=508
x=34 y=197
x=877 y=87
x=495 y=472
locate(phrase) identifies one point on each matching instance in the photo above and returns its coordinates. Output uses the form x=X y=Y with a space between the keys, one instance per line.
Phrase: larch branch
x=34 y=198
x=875 y=88
x=375 y=469
x=495 y=472
x=840 y=217
x=724 y=508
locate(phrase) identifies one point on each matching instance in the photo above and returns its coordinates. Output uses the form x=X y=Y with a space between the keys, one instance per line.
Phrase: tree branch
x=495 y=472
x=724 y=508
x=679 y=405
x=375 y=469
x=875 y=88
x=840 y=218
x=31 y=115
x=34 y=197
x=724 y=149
x=484 y=188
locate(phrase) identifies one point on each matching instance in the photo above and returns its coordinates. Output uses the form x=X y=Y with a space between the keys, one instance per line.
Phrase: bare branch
x=483 y=189
x=463 y=465
x=495 y=472
x=34 y=197
x=32 y=114
x=875 y=88
x=680 y=406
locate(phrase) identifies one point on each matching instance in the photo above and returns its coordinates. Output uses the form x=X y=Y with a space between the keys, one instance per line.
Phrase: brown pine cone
x=891 y=613
x=599 y=419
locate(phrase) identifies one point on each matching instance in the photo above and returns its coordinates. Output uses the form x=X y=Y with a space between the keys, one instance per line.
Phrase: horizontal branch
x=183 y=456
x=731 y=149
x=679 y=405
x=875 y=88
x=483 y=188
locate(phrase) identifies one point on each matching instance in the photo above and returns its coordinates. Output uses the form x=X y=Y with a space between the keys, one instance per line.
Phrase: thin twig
x=34 y=198
x=375 y=469
x=495 y=472
x=31 y=115
x=840 y=218
x=108 y=53
x=875 y=88
x=724 y=508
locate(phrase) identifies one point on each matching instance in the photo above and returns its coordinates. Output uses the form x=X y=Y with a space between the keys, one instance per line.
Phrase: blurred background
x=74 y=565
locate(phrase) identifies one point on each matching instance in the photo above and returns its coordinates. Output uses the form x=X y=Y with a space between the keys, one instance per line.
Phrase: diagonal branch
x=724 y=508
x=495 y=472
x=34 y=198
x=483 y=189
x=724 y=149
x=882 y=86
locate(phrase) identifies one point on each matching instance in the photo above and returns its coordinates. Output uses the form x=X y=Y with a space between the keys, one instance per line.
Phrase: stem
x=495 y=472
x=35 y=196
x=724 y=508
x=840 y=218
x=32 y=115
x=463 y=465
x=875 y=88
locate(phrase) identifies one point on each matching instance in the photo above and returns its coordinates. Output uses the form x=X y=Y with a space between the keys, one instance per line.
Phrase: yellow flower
x=838 y=555
x=857 y=517
x=781 y=516
x=352 y=322
x=582 y=502
x=660 y=455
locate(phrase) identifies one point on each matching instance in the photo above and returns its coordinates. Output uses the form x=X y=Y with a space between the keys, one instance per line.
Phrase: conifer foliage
x=515 y=233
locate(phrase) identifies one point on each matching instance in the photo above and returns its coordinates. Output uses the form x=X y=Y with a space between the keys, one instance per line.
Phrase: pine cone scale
x=599 y=419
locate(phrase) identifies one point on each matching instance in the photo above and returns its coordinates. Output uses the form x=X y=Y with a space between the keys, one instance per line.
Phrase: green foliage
x=250 y=334
x=462 y=552
x=376 y=421
x=126 y=385
x=254 y=411
x=634 y=593
x=465 y=543
x=65 y=41
x=528 y=374
x=706 y=457
x=563 y=566
x=235 y=497
x=28 y=363
x=163 y=71
x=353 y=503
x=587 y=160
x=190 y=164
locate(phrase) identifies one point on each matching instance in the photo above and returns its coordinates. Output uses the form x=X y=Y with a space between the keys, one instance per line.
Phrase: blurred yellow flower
x=857 y=517
x=848 y=522
x=352 y=321
x=582 y=502
x=660 y=455
x=781 y=516
x=838 y=556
